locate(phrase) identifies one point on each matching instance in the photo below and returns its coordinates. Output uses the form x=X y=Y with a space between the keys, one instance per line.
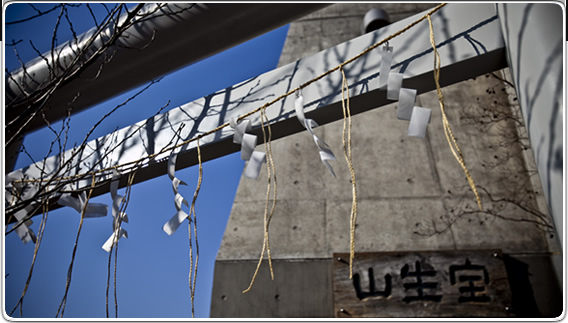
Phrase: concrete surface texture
x=412 y=193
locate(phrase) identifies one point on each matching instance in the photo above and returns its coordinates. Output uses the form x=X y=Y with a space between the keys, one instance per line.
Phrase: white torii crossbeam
x=468 y=38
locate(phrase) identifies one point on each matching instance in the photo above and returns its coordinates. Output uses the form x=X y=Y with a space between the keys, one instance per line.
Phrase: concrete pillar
x=534 y=39
x=412 y=194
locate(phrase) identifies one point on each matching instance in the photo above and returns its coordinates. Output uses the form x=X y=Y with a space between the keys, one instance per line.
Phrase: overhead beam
x=468 y=38
x=172 y=36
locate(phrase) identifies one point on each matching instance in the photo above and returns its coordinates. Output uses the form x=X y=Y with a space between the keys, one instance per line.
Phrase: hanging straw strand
x=114 y=245
x=192 y=266
x=271 y=171
x=70 y=271
x=271 y=180
x=452 y=142
x=349 y=159
x=36 y=250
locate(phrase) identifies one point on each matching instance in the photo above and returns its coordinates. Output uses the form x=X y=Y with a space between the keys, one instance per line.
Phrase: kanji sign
x=422 y=284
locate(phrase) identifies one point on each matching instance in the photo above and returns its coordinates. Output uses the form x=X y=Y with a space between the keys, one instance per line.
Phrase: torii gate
x=473 y=39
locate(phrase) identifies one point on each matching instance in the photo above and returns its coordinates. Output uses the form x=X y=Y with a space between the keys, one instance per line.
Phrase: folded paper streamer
x=394 y=85
x=419 y=121
x=23 y=230
x=118 y=217
x=10 y=186
x=171 y=226
x=240 y=129
x=325 y=152
x=93 y=210
x=254 y=164
x=406 y=101
x=114 y=237
x=116 y=200
x=384 y=70
x=23 y=189
x=246 y=140
x=248 y=144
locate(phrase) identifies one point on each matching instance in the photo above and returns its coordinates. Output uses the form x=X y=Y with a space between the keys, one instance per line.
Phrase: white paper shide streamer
x=93 y=210
x=248 y=144
x=254 y=164
x=419 y=122
x=240 y=129
x=118 y=217
x=173 y=224
x=23 y=230
x=394 y=85
x=419 y=117
x=324 y=151
x=384 y=69
x=406 y=101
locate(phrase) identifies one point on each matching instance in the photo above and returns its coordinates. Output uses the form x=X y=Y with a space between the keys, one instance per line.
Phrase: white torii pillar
x=534 y=41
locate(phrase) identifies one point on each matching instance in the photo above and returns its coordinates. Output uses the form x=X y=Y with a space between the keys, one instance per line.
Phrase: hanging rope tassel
x=271 y=170
x=192 y=265
x=118 y=217
x=447 y=129
x=36 y=249
x=84 y=207
x=114 y=245
x=349 y=159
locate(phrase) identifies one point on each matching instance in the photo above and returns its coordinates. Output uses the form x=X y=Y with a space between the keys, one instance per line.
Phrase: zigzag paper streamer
x=121 y=233
x=325 y=152
x=406 y=101
x=254 y=164
x=117 y=216
x=394 y=85
x=384 y=69
x=23 y=231
x=173 y=224
x=240 y=129
x=93 y=210
x=248 y=144
x=419 y=122
x=246 y=140
x=10 y=178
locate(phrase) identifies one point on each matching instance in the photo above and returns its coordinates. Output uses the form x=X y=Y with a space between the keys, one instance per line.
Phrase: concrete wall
x=412 y=194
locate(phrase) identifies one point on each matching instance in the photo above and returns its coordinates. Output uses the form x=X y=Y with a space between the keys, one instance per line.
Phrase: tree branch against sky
x=152 y=267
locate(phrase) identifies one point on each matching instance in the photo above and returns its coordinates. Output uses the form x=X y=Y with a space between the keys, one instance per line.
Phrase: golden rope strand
x=70 y=270
x=349 y=158
x=271 y=175
x=193 y=269
x=116 y=239
x=272 y=179
x=114 y=277
x=36 y=249
x=122 y=210
x=268 y=190
x=447 y=129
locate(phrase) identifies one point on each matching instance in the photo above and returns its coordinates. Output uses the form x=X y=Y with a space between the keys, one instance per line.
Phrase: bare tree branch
x=39 y=14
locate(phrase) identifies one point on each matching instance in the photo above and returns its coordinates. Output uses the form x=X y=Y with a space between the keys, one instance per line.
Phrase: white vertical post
x=534 y=40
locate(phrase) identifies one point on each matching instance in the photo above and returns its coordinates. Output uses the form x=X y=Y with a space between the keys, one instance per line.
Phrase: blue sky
x=153 y=267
